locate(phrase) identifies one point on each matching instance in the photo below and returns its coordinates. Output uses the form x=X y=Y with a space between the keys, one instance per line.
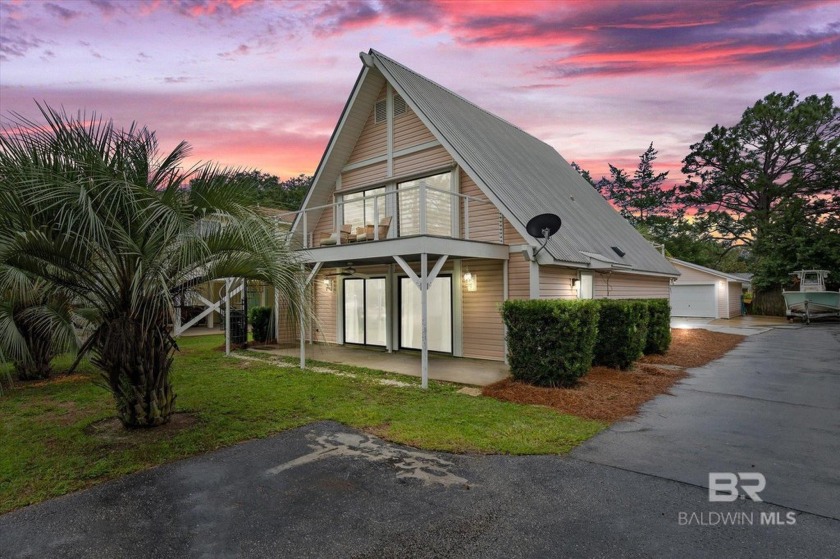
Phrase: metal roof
x=736 y=278
x=521 y=174
x=524 y=175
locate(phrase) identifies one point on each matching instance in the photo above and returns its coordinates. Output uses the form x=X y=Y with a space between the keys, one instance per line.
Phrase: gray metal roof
x=737 y=278
x=525 y=176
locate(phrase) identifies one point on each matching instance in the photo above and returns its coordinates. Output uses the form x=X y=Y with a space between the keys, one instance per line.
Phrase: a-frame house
x=414 y=229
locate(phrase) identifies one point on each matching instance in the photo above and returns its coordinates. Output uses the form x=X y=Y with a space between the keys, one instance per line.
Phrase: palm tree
x=35 y=325
x=110 y=222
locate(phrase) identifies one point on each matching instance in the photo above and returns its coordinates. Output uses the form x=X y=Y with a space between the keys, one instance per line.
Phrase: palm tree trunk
x=38 y=367
x=136 y=360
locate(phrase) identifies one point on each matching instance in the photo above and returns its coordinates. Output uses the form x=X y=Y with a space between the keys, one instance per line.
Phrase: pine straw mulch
x=610 y=395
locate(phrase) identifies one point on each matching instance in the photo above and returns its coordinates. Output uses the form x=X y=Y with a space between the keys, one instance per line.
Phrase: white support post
x=467 y=219
x=312 y=274
x=423 y=227
x=227 y=316
x=302 y=326
x=305 y=231
x=424 y=318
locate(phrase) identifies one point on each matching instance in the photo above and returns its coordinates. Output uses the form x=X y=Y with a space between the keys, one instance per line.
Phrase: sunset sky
x=261 y=84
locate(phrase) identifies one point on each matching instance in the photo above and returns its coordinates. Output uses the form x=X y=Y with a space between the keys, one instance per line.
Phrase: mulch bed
x=694 y=348
x=610 y=395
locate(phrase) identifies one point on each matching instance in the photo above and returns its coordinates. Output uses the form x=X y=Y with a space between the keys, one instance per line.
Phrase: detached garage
x=702 y=292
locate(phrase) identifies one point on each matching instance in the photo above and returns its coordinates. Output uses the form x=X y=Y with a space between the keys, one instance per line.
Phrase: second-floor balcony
x=363 y=223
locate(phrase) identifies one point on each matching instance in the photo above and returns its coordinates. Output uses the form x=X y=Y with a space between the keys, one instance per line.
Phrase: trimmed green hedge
x=622 y=332
x=260 y=319
x=659 y=326
x=550 y=342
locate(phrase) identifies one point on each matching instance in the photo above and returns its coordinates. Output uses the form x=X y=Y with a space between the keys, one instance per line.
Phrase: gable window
x=438 y=206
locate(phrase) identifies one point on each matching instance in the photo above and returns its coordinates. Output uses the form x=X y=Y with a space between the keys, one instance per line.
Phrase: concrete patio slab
x=475 y=372
x=742 y=325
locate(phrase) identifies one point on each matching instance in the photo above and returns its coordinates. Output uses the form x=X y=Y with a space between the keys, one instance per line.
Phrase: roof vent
x=380 y=112
x=618 y=251
x=399 y=105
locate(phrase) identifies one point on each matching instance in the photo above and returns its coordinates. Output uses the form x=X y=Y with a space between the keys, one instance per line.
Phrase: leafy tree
x=791 y=242
x=269 y=191
x=644 y=198
x=742 y=178
x=99 y=214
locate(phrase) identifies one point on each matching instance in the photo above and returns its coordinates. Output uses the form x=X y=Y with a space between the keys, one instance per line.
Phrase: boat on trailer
x=812 y=300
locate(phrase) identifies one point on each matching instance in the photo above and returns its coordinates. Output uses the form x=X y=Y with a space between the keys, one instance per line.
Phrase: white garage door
x=693 y=300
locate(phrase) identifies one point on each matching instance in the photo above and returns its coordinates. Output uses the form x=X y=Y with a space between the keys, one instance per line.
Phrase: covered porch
x=474 y=372
x=398 y=280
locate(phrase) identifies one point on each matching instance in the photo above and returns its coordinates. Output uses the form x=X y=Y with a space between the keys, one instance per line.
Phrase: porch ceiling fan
x=347 y=271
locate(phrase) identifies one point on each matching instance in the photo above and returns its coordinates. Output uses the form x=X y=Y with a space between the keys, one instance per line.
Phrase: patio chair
x=346 y=236
x=367 y=235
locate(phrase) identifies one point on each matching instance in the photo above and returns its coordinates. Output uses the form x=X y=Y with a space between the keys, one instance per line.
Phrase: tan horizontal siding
x=519 y=277
x=630 y=286
x=556 y=283
x=483 y=215
x=323 y=327
x=288 y=326
x=422 y=161
x=483 y=331
x=373 y=140
x=369 y=174
x=324 y=228
x=512 y=236
x=409 y=131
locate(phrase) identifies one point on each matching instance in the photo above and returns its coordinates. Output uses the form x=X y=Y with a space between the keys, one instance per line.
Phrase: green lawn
x=49 y=448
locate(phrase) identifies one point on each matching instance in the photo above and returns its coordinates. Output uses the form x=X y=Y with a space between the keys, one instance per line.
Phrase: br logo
x=724 y=486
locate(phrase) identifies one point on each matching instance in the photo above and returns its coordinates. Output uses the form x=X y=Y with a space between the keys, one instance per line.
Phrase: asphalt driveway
x=635 y=491
x=771 y=406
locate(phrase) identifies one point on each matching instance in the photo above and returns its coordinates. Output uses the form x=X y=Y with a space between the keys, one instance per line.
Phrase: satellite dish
x=543 y=226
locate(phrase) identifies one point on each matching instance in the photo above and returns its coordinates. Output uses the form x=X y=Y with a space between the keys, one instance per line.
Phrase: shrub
x=260 y=319
x=659 y=326
x=550 y=342
x=622 y=332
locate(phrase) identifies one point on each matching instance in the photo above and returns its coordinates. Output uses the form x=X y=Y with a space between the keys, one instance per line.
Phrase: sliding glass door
x=439 y=321
x=364 y=311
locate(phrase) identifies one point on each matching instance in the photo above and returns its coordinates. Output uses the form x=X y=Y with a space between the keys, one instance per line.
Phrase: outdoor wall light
x=328 y=284
x=574 y=282
x=471 y=281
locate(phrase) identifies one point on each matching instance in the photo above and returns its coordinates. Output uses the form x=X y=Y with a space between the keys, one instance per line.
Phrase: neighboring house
x=705 y=293
x=419 y=183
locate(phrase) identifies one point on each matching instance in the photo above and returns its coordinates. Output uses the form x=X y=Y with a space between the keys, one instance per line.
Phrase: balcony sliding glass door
x=439 y=320
x=438 y=206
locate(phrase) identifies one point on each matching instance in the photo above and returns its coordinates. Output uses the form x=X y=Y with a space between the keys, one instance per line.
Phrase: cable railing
x=405 y=212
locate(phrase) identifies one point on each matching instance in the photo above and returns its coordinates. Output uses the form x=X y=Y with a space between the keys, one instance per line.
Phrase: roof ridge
x=461 y=97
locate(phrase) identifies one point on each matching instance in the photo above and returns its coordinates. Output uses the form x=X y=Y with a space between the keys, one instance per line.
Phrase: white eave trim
x=705 y=270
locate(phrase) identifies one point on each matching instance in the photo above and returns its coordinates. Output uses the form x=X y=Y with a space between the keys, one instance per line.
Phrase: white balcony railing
x=405 y=212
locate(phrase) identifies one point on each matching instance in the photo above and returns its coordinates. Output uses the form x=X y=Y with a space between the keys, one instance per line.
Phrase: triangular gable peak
x=520 y=174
